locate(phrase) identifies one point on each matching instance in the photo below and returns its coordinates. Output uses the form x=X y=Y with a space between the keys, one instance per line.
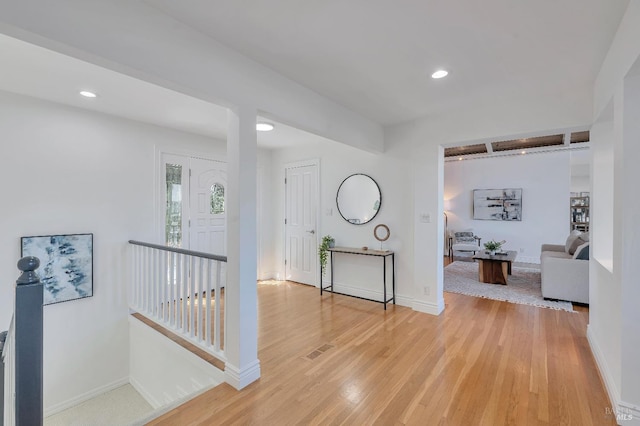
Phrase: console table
x=377 y=253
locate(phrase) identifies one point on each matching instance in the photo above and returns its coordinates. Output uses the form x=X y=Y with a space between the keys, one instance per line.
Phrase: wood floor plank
x=481 y=362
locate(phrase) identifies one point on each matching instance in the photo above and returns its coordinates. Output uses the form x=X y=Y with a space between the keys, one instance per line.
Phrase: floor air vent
x=322 y=349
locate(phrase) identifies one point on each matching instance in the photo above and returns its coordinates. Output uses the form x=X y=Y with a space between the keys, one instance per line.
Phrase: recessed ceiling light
x=440 y=74
x=523 y=152
x=88 y=94
x=459 y=158
x=264 y=127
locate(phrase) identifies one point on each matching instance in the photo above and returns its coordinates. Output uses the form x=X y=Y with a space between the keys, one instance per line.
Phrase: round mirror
x=381 y=232
x=359 y=199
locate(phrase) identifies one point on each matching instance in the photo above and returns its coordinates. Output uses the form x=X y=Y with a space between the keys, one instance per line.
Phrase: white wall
x=544 y=179
x=581 y=170
x=422 y=141
x=360 y=275
x=614 y=318
x=169 y=378
x=71 y=171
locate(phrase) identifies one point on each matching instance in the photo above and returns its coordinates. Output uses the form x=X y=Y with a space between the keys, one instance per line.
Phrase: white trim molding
x=72 y=402
x=428 y=307
x=242 y=378
x=609 y=382
x=373 y=295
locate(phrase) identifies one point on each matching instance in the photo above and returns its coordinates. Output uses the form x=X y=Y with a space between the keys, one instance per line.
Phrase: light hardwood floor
x=341 y=360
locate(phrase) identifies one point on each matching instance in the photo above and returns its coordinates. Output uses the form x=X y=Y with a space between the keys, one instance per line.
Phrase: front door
x=301 y=243
x=193 y=196
x=207 y=190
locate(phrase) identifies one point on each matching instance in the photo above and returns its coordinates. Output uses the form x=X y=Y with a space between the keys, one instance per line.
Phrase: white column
x=241 y=334
x=629 y=249
x=428 y=230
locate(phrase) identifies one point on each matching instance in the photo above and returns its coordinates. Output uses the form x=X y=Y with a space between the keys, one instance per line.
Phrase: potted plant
x=493 y=246
x=327 y=242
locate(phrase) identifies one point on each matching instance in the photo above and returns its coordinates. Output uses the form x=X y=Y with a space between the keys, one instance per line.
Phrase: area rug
x=523 y=286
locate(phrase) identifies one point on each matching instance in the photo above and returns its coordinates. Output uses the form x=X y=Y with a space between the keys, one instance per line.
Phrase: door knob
x=312 y=231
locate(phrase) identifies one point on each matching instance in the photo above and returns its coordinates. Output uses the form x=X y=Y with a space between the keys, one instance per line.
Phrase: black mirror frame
x=379 y=205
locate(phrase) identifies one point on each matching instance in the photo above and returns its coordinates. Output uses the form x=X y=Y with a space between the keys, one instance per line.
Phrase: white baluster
x=207 y=300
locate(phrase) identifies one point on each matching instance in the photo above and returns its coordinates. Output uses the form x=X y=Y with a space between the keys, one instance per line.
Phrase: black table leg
x=393 y=275
x=331 y=255
x=321 y=271
x=384 y=280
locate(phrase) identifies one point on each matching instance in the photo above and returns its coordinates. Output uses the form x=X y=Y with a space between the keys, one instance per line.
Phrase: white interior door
x=301 y=260
x=208 y=186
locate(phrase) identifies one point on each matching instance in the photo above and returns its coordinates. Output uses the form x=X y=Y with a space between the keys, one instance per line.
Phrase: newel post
x=28 y=344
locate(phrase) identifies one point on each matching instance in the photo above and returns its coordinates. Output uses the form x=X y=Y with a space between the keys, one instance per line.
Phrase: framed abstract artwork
x=66 y=265
x=497 y=204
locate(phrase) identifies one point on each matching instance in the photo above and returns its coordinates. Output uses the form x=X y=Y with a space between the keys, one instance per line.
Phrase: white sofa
x=565 y=269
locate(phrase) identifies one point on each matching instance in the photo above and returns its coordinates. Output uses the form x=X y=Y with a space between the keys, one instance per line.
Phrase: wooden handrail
x=181 y=251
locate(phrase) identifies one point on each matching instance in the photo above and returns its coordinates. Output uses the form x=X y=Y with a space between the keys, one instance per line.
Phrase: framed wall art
x=497 y=204
x=66 y=265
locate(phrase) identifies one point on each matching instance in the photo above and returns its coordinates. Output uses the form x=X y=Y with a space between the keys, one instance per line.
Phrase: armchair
x=463 y=241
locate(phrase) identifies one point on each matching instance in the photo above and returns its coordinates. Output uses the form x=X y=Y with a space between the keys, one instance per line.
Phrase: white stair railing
x=183 y=291
x=9 y=361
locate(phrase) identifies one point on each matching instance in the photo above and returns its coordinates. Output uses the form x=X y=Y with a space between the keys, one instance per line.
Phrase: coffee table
x=494 y=269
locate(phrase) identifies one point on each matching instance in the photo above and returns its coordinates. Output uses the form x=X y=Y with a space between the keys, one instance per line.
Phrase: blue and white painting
x=66 y=265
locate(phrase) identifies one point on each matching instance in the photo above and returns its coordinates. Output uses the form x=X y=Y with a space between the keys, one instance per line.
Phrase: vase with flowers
x=493 y=246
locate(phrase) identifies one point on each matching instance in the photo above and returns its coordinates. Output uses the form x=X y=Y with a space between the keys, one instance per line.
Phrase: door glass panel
x=217 y=198
x=173 y=225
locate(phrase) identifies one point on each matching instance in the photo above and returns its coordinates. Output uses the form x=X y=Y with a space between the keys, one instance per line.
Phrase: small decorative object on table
x=493 y=246
x=327 y=243
x=382 y=233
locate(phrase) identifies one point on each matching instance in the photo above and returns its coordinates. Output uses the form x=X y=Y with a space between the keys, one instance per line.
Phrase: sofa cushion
x=585 y=236
x=571 y=239
x=558 y=254
x=582 y=252
x=576 y=243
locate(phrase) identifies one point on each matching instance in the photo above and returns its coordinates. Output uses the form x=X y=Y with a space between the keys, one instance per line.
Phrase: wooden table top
x=360 y=250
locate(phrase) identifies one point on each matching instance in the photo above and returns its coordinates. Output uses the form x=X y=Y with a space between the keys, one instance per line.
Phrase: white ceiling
x=372 y=56
x=41 y=73
x=376 y=56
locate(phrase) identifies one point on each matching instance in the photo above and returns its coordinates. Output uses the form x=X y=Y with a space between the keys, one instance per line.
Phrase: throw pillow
x=570 y=239
x=465 y=237
x=575 y=244
x=582 y=252
x=585 y=236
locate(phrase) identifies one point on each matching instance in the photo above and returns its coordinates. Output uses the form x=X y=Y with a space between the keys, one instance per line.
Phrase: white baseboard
x=628 y=414
x=625 y=413
x=368 y=293
x=241 y=378
x=146 y=395
x=375 y=295
x=54 y=409
x=601 y=363
x=528 y=259
x=269 y=275
x=428 y=307
x=404 y=301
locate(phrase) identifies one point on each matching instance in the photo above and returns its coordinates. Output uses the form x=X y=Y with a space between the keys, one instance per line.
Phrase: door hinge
x=285 y=221
x=285 y=261
x=285 y=181
x=189 y=172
